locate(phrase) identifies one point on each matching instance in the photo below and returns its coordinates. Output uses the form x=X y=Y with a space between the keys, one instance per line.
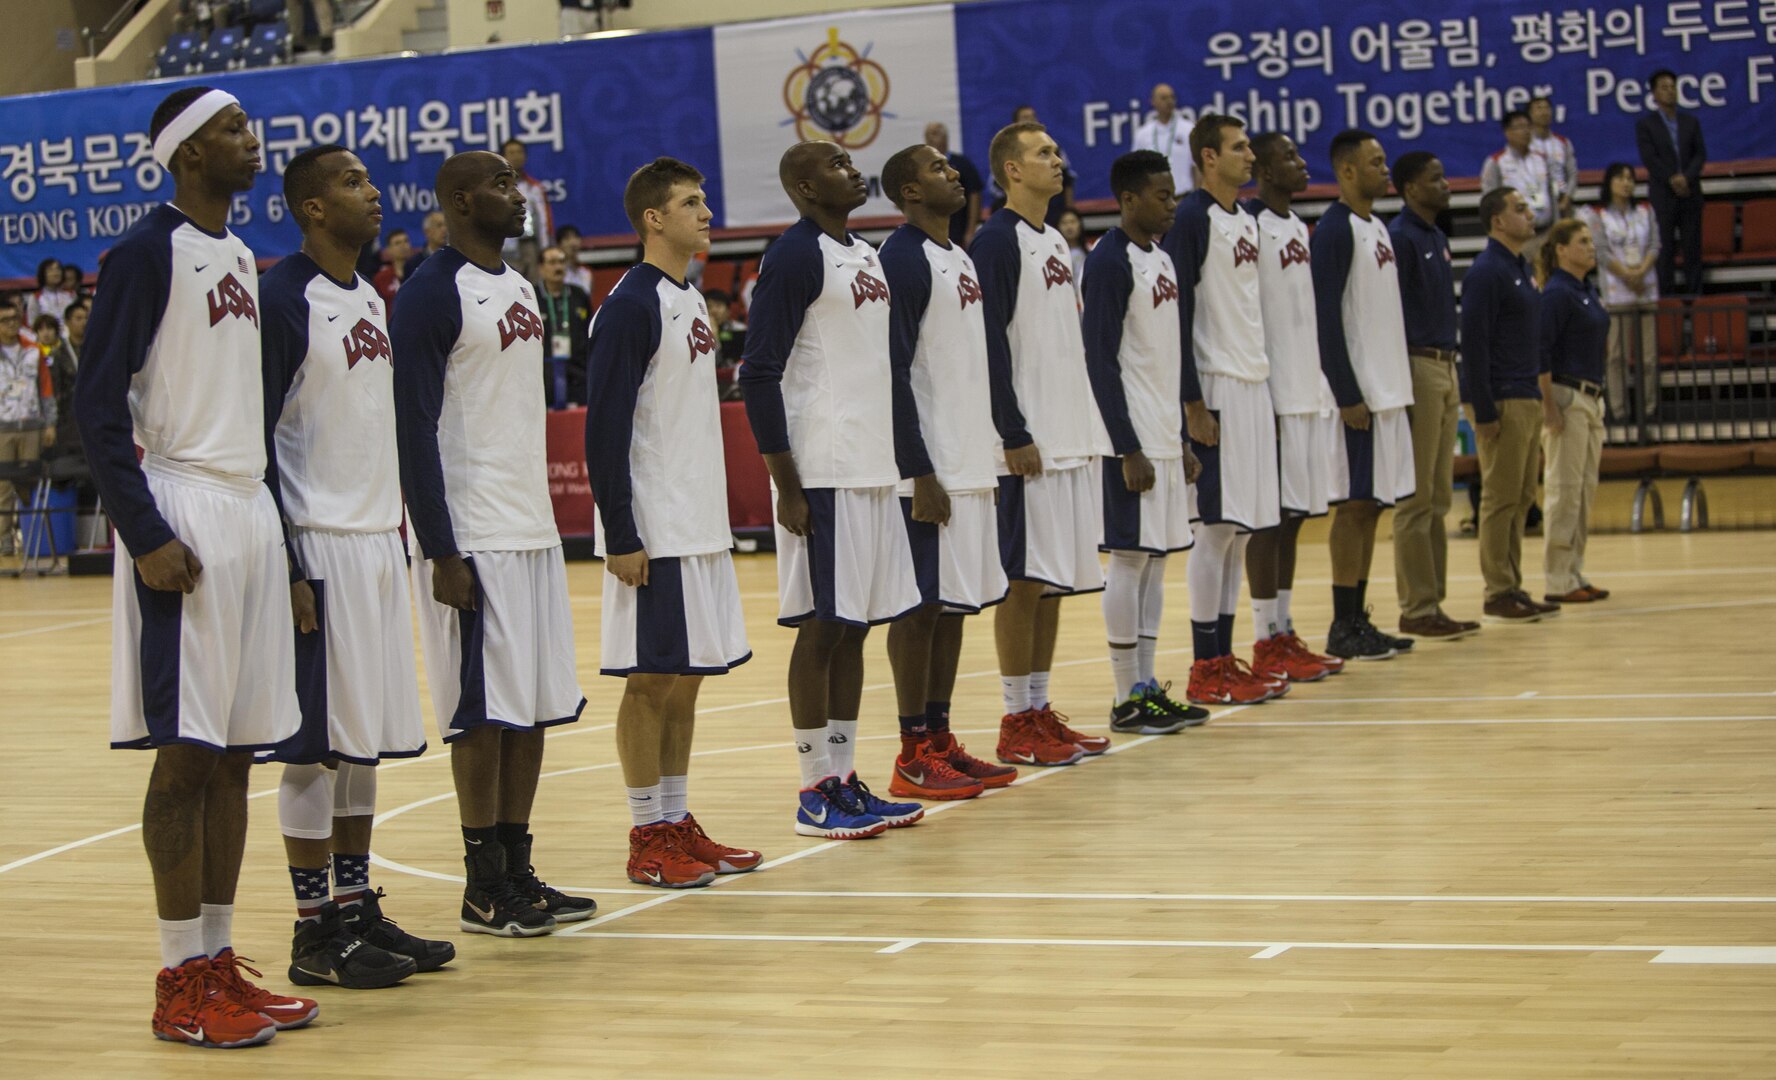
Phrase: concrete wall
x=43 y=41
x=378 y=31
x=130 y=55
x=520 y=21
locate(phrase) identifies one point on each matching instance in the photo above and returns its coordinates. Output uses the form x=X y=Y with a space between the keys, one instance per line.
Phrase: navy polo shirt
x=1427 y=281
x=1501 y=348
x=1574 y=329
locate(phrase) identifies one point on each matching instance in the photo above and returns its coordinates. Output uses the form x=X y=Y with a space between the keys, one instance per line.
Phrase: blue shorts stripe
x=823 y=520
x=922 y=538
x=1011 y=527
x=1122 y=510
x=158 y=651
x=1208 y=484
x=662 y=640
x=1359 y=452
x=471 y=706
x=311 y=744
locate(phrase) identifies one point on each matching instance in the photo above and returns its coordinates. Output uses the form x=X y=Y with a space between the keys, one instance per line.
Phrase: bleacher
x=257 y=34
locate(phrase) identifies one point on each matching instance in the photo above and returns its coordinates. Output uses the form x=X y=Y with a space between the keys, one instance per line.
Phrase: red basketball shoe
x=285 y=1012
x=989 y=774
x=1023 y=741
x=726 y=860
x=188 y=1008
x=926 y=774
x=1056 y=725
x=656 y=858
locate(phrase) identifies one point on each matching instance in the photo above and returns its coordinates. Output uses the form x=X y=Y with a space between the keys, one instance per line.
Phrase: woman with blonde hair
x=1574 y=337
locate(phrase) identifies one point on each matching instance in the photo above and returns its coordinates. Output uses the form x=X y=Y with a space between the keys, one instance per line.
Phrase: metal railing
x=1699 y=370
x=96 y=39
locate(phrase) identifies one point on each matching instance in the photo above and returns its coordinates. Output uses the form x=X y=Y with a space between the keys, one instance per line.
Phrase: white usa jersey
x=1034 y=342
x=1131 y=345
x=328 y=361
x=468 y=344
x=653 y=421
x=1362 y=328
x=172 y=361
x=938 y=337
x=816 y=368
x=1286 y=295
x=1216 y=253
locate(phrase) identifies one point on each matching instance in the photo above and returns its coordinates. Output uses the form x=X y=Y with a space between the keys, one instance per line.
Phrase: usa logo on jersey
x=1056 y=272
x=968 y=289
x=230 y=297
x=1383 y=254
x=865 y=287
x=1293 y=254
x=1164 y=289
x=1244 y=251
x=701 y=339
x=519 y=324
x=366 y=342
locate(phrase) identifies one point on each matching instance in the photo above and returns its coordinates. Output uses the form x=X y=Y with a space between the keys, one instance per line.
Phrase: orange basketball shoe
x=926 y=774
x=726 y=860
x=1023 y=741
x=1273 y=659
x=285 y=1012
x=1295 y=645
x=989 y=774
x=1056 y=725
x=1208 y=684
x=656 y=858
x=189 y=1009
x=1248 y=687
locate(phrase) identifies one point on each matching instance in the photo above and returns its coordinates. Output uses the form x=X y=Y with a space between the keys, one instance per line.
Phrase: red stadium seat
x=1717 y=231
x=1757 y=223
x=1719 y=329
x=721 y=274
x=1671 y=330
x=604 y=279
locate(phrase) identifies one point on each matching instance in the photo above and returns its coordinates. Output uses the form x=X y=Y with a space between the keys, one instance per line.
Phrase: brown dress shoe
x=1509 y=608
x=1546 y=610
x=1462 y=627
x=1580 y=595
x=1597 y=593
x=1427 y=626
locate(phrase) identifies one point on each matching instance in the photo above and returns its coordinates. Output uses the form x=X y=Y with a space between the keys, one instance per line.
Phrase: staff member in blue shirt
x=1574 y=340
x=1427 y=295
x=1499 y=369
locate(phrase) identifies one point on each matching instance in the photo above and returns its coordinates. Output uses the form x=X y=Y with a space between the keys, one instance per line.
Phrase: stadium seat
x=1758 y=231
x=223 y=51
x=1763 y=455
x=1719 y=329
x=264 y=10
x=268 y=44
x=604 y=279
x=721 y=274
x=1717 y=231
x=179 y=55
x=1671 y=330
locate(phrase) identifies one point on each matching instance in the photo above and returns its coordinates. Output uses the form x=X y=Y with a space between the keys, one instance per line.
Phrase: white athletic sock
x=1152 y=608
x=841 y=746
x=181 y=940
x=218 y=927
x=644 y=805
x=1038 y=689
x=813 y=755
x=1264 y=619
x=1145 y=663
x=1125 y=670
x=1015 y=689
x=674 y=796
x=1285 y=622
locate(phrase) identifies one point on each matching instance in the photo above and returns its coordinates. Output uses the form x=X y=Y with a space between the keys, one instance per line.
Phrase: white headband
x=186 y=124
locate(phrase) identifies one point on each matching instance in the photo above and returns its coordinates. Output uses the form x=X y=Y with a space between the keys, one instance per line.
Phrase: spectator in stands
x=1574 y=331
x=51 y=296
x=964 y=221
x=1563 y=162
x=27 y=411
x=1072 y=229
x=1499 y=369
x=539 y=224
x=1672 y=150
x=1063 y=201
x=73 y=280
x=1521 y=167
x=64 y=362
x=397 y=251
x=730 y=333
x=1165 y=132
x=436 y=236
x=567 y=238
x=300 y=12
x=1626 y=235
x=580 y=17
x=567 y=321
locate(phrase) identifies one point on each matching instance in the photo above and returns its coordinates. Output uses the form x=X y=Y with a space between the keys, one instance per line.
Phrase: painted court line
x=1267 y=898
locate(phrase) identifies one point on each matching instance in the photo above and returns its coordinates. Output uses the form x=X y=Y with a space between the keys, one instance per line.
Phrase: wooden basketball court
x=1548 y=852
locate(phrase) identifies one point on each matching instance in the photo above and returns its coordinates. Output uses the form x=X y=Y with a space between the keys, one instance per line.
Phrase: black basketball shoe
x=366 y=920
x=553 y=902
x=325 y=953
x=492 y=906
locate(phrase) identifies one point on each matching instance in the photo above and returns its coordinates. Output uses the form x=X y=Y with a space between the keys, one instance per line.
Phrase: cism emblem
x=366 y=342
x=1055 y=272
x=836 y=93
x=1383 y=254
x=1293 y=253
x=230 y=297
x=519 y=324
x=865 y=287
x=1244 y=251
x=701 y=339
x=969 y=289
x=1164 y=289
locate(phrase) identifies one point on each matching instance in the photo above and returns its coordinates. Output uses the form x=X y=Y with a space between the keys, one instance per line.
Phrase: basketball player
x=1309 y=434
x=653 y=451
x=330 y=422
x=1362 y=336
x=1050 y=501
x=818 y=395
x=1232 y=428
x=487 y=573
x=1131 y=350
x=202 y=658
x=944 y=441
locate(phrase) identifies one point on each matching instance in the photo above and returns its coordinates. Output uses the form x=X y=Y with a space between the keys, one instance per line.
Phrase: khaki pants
x=1421 y=548
x=14 y=446
x=1573 y=457
x=1509 y=462
x=1633 y=351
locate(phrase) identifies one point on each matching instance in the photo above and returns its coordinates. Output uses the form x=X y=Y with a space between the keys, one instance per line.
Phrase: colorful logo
x=866 y=287
x=969 y=289
x=1383 y=254
x=837 y=93
x=366 y=342
x=1294 y=253
x=519 y=324
x=1055 y=272
x=700 y=340
x=1163 y=290
x=230 y=297
x=1244 y=251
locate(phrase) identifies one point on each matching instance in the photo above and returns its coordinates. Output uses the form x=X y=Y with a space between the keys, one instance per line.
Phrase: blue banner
x=76 y=171
x=1423 y=79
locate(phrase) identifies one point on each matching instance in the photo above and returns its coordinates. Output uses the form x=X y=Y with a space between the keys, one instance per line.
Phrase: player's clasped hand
x=453 y=583
x=1137 y=472
x=931 y=503
x=1024 y=461
x=630 y=569
x=302 y=607
x=793 y=513
x=1355 y=416
x=1201 y=424
x=1193 y=466
x=171 y=567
